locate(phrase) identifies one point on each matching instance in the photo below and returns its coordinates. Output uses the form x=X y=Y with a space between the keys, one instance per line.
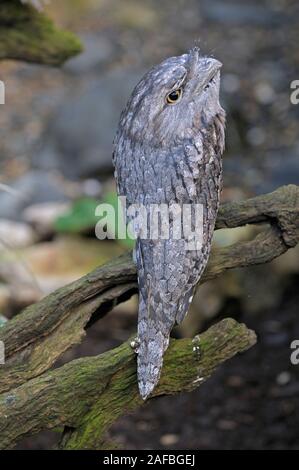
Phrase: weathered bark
x=26 y=34
x=89 y=394
x=36 y=338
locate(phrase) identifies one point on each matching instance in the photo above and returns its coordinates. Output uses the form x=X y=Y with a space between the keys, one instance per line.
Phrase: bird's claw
x=135 y=343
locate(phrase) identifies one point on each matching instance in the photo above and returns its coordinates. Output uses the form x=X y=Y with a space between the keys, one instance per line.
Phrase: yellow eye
x=174 y=96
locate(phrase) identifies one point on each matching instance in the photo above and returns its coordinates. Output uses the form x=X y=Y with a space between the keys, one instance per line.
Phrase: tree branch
x=89 y=394
x=36 y=338
x=26 y=34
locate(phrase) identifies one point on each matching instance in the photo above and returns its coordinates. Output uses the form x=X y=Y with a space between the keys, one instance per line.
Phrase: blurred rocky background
x=57 y=128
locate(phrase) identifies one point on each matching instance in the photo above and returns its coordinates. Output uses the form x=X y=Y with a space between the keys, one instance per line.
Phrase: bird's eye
x=174 y=96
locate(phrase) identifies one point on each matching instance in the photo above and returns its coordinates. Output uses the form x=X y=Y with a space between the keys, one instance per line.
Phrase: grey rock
x=35 y=187
x=236 y=13
x=43 y=216
x=15 y=234
x=98 y=50
x=78 y=139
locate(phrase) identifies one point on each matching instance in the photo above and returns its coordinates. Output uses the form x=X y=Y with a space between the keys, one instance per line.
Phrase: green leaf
x=81 y=217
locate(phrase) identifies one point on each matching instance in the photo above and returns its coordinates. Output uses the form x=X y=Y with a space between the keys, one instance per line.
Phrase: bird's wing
x=167 y=272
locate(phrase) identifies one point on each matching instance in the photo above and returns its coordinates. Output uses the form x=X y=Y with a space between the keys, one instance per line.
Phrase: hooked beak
x=203 y=69
x=211 y=68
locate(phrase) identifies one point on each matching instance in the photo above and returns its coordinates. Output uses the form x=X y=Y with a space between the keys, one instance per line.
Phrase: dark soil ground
x=251 y=402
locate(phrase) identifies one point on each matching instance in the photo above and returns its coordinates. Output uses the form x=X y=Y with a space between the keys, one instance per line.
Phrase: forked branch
x=87 y=395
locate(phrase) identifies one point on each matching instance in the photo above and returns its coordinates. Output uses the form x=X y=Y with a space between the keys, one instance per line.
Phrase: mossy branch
x=36 y=338
x=89 y=394
x=29 y=35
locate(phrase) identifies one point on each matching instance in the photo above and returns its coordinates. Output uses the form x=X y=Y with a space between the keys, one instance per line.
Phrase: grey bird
x=168 y=150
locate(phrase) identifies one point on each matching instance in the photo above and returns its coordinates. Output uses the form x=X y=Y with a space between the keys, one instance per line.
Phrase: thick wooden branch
x=36 y=338
x=26 y=34
x=89 y=394
x=280 y=207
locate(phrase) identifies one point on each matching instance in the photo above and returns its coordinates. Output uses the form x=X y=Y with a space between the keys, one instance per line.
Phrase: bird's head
x=173 y=100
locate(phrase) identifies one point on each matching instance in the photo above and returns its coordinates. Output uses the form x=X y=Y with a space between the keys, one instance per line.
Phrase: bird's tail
x=163 y=301
x=153 y=340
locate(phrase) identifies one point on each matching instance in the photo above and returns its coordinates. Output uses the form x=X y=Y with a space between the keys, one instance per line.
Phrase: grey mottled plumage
x=170 y=153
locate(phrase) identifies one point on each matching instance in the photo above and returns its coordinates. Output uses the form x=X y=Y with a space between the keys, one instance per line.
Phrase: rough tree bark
x=88 y=394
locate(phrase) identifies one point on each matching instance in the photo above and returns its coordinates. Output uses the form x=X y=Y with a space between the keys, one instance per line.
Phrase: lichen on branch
x=88 y=394
x=29 y=35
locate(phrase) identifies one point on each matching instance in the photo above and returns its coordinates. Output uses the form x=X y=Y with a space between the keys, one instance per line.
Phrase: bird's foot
x=135 y=343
